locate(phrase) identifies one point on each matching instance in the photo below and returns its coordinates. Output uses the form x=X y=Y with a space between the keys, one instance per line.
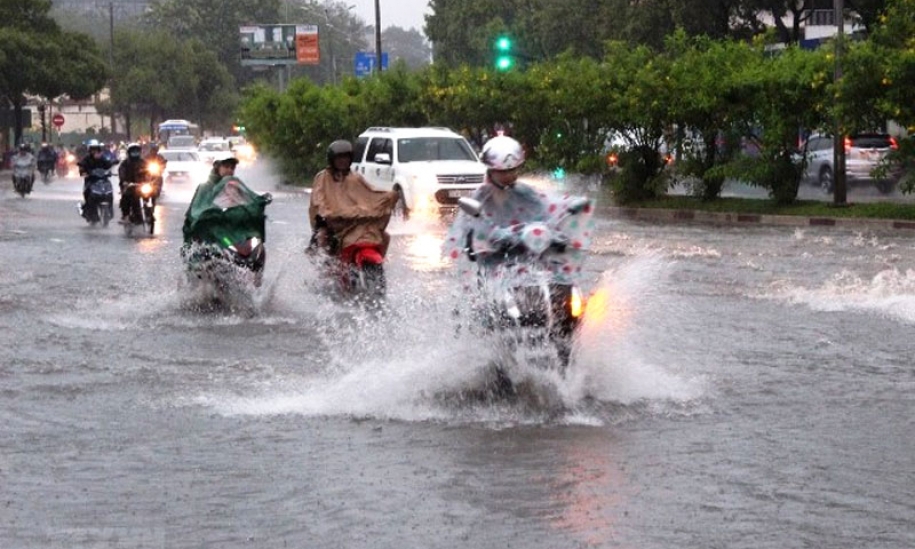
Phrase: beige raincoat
x=354 y=212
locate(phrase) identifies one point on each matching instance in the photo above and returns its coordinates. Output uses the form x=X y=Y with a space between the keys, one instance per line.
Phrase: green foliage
x=160 y=77
x=37 y=58
x=214 y=24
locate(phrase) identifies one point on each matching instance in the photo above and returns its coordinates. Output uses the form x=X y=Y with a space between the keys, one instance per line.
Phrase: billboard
x=279 y=45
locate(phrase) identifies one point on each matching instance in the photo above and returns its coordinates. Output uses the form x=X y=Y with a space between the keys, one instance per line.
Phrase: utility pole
x=330 y=48
x=111 y=63
x=840 y=193
x=378 y=35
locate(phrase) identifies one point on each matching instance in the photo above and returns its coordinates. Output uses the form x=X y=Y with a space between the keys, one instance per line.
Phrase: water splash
x=414 y=362
x=890 y=293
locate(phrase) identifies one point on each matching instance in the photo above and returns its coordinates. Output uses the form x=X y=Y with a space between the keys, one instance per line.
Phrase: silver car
x=863 y=154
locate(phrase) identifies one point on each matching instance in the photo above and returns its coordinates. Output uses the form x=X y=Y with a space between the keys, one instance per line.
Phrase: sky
x=401 y=13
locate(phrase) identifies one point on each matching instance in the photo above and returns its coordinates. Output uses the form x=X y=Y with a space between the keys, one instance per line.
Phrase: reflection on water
x=424 y=252
x=589 y=490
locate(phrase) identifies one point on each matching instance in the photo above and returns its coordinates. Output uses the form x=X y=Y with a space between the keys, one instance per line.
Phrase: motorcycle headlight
x=576 y=303
x=146 y=189
x=154 y=168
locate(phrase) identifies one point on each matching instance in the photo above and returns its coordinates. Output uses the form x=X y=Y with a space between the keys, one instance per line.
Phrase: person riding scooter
x=93 y=160
x=345 y=213
x=132 y=170
x=47 y=160
x=222 y=192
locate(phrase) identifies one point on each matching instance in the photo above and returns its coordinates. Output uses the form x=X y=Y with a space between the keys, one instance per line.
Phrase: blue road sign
x=364 y=63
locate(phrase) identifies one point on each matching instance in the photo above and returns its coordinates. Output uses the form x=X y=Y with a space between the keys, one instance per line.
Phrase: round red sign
x=58 y=120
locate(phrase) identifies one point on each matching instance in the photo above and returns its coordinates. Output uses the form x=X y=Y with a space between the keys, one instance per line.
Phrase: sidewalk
x=722 y=218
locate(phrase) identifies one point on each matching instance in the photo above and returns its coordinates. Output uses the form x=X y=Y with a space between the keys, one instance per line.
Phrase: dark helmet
x=24 y=147
x=134 y=150
x=341 y=147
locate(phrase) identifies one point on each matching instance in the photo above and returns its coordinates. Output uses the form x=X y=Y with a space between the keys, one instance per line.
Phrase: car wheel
x=826 y=180
x=400 y=209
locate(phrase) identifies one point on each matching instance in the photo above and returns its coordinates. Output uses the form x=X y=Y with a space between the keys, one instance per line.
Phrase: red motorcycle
x=356 y=270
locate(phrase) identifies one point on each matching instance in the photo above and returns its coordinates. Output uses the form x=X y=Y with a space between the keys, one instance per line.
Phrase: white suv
x=430 y=167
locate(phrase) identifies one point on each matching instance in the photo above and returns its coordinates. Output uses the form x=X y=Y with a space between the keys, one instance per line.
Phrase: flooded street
x=733 y=387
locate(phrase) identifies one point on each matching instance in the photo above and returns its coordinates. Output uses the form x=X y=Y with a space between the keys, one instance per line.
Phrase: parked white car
x=431 y=167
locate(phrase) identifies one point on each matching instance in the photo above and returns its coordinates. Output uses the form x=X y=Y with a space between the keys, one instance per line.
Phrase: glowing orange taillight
x=847 y=145
x=893 y=143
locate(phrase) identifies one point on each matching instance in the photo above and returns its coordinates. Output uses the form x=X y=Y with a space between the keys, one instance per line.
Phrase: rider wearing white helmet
x=507 y=203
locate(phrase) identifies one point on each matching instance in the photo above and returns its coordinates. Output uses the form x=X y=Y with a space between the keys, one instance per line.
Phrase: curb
x=724 y=218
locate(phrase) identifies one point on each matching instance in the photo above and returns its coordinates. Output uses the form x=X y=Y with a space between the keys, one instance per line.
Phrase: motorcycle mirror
x=578 y=204
x=470 y=206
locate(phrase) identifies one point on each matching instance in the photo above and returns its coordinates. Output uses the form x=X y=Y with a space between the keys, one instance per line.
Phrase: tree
x=159 y=77
x=409 y=45
x=214 y=24
x=37 y=58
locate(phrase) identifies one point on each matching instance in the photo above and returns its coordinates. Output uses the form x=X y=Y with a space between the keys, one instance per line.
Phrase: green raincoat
x=223 y=213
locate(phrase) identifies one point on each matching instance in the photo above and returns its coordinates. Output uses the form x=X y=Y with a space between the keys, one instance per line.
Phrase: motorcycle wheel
x=372 y=280
x=105 y=213
x=150 y=219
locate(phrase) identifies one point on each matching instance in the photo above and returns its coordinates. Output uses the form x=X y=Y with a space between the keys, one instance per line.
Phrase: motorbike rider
x=47 y=158
x=344 y=210
x=152 y=155
x=131 y=170
x=94 y=159
x=24 y=157
x=234 y=193
x=507 y=206
x=507 y=203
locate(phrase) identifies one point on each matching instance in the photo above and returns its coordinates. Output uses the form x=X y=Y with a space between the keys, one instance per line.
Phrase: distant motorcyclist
x=131 y=170
x=92 y=161
x=153 y=156
x=344 y=210
x=47 y=159
x=24 y=159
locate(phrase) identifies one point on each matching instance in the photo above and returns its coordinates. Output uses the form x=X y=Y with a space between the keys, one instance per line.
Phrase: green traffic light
x=504 y=63
x=504 y=43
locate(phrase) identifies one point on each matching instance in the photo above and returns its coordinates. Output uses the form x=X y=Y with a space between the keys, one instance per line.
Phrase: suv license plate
x=458 y=194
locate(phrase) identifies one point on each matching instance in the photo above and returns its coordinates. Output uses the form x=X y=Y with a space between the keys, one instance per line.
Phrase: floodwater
x=733 y=388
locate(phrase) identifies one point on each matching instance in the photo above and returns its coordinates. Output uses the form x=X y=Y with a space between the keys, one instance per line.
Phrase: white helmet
x=503 y=153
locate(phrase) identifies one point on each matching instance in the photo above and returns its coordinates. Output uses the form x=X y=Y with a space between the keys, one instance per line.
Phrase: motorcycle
x=528 y=301
x=224 y=267
x=23 y=175
x=100 y=205
x=356 y=271
x=154 y=172
x=46 y=169
x=64 y=162
x=142 y=207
